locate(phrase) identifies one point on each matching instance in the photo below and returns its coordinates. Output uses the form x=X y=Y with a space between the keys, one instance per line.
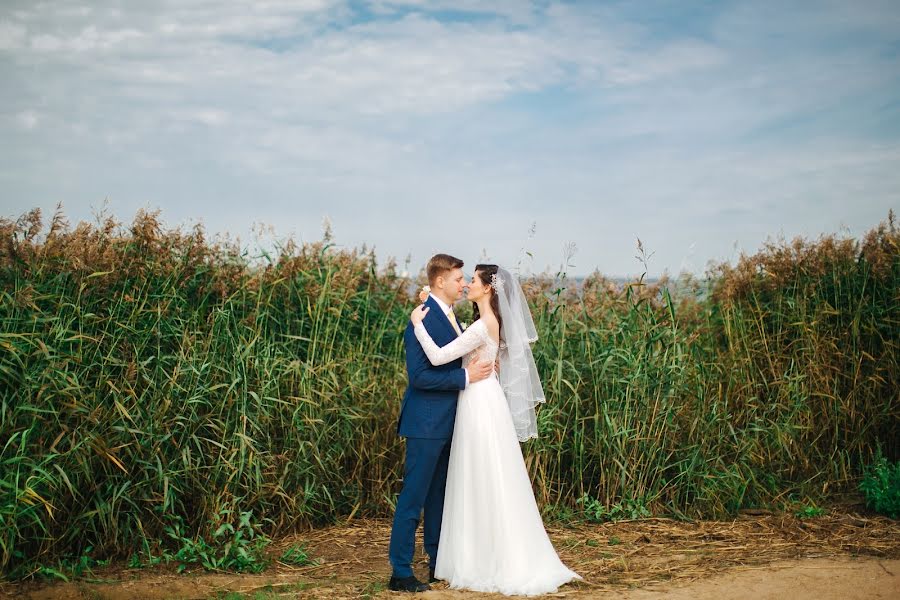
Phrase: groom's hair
x=440 y=264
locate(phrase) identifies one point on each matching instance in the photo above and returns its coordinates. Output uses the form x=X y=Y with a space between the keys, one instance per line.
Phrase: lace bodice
x=474 y=342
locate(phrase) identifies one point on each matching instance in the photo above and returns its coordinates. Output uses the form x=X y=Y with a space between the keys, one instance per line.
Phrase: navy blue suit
x=426 y=421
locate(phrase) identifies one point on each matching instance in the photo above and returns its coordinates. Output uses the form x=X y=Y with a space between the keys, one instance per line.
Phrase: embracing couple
x=463 y=421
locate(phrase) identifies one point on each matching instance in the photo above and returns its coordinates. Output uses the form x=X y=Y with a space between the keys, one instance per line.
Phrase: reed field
x=157 y=386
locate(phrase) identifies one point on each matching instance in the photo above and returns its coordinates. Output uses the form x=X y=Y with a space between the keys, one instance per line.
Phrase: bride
x=492 y=537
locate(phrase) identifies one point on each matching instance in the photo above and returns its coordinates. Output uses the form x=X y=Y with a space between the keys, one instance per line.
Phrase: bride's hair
x=484 y=273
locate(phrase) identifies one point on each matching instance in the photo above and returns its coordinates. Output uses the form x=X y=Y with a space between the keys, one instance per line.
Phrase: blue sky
x=475 y=128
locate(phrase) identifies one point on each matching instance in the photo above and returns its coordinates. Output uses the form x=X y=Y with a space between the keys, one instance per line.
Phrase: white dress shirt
x=446 y=309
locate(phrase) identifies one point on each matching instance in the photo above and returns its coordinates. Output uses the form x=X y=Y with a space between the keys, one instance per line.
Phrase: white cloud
x=28 y=119
x=578 y=116
x=207 y=116
x=12 y=35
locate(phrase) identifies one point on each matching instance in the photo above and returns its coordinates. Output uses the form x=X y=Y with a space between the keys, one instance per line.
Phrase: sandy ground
x=807 y=579
x=810 y=579
x=843 y=555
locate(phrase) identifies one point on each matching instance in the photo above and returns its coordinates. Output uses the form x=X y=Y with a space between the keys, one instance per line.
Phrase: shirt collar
x=441 y=303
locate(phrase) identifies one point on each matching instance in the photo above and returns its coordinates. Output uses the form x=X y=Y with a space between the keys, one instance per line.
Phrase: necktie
x=452 y=318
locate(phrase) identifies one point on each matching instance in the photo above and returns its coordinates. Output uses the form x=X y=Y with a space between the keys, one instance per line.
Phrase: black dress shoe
x=407 y=584
x=431 y=577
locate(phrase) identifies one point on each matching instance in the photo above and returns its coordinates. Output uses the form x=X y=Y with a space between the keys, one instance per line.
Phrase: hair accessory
x=496 y=282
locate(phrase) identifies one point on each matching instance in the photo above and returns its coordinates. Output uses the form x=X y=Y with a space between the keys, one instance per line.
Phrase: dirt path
x=839 y=556
x=808 y=579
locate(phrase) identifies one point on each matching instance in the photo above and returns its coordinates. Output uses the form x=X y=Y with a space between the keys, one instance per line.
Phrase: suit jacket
x=429 y=404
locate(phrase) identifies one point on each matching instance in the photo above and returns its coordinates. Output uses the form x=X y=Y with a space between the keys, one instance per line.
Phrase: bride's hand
x=418 y=314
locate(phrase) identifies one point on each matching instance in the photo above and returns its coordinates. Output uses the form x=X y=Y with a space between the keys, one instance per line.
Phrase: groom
x=426 y=421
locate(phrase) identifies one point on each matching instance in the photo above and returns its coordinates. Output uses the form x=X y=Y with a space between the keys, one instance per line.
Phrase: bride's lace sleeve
x=468 y=341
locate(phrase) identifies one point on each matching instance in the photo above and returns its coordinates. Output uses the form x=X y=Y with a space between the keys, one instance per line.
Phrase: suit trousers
x=424 y=480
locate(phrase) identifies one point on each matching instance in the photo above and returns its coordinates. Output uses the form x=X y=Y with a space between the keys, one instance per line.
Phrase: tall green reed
x=151 y=377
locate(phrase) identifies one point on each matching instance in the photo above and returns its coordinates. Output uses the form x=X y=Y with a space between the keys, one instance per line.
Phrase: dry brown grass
x=612 y=557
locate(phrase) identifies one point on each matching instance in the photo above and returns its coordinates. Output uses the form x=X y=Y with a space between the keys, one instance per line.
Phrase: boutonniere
x=423 y=295
x=463 y=325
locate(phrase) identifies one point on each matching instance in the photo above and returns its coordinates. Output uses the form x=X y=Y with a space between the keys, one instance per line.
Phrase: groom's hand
x=479 y=370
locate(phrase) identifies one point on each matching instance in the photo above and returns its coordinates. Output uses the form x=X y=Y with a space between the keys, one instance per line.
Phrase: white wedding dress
x=492 y=537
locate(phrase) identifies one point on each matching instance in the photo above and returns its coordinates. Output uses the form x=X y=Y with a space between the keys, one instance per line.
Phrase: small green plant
x=84 y=563
x=881 y=486
x=614 y=541
x=45 y=572
x=233 y=547
x=597 y=512
x=372 y=589
x=296 y=555
x=559 y=513
x=135 y=561
x=71 y=566
x=809 y=511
